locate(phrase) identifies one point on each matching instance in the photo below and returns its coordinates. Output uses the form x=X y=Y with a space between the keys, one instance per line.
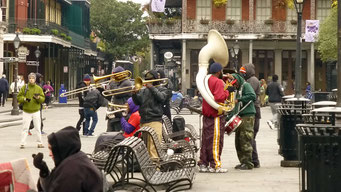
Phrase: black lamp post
x=298 y=65
x=15 y=110
x=234 y=53
x=37 y=54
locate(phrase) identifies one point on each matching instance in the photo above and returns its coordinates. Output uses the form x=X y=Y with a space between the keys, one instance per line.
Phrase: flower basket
x=269 y=22
x=204 y=21
x=230 y=22
x=293 y=22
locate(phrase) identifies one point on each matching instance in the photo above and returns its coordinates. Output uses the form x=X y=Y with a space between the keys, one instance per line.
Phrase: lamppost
x=37 y=54
x=234 y=53
x=298 y=65
x=15 y=110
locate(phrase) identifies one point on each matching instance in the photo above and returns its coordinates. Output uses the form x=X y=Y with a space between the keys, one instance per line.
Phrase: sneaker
x=256 y=165
x=22 y=146
x=29 y=133
x=271 y=125
x=43 y=132
x=203 y=169
x=91 y=135
x=217 y=170
x=40 y=146
x=238 y=166
x=245 y=167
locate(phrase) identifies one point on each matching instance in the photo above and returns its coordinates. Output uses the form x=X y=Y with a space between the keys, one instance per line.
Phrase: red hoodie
x=216 y=86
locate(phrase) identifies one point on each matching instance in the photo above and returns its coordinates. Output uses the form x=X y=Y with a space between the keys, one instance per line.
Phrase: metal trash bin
x=321 y=96
x=291 y=111
x=320 y=154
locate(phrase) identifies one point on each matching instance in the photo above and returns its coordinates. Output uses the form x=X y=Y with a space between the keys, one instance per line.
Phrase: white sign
x=22 y=53
x=168 y=55
x=32 y=63
x=311 y=30
x=8 y=59
x=65 y=69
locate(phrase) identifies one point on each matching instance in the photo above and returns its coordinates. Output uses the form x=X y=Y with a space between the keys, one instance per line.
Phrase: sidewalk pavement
x=270 y=177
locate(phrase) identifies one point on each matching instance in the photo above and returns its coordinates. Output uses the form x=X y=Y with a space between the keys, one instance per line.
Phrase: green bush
x=63 y=35
x=26 y=30
x=35 y=31
x=54 y=32
x=68 y=38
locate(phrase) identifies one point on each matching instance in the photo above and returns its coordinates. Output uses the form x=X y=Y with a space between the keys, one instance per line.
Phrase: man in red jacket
x=213 y=124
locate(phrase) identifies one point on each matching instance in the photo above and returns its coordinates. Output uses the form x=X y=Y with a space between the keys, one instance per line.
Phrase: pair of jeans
x=90 y=113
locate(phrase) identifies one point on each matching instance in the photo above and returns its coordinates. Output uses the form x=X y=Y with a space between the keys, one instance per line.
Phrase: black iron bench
x=187 y=157
x=169 y=136
x=134 y=148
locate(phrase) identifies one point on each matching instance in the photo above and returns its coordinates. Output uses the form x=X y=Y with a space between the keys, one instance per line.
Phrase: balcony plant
x=170 y=21
x=230 y=21
x=55 y=32
x=35 y=31
x=293 y=22
x=26 y=30
x=68 y=38
x=219 y=3
x=204 y=21
x=62 y=35
x=269 y=22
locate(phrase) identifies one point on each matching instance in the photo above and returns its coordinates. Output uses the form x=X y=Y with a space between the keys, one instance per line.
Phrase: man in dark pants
x=114 y=124
x=86 y=82
x=3 y=90
x=248 y=72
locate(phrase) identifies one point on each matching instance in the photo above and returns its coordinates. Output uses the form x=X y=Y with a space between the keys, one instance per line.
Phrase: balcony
x=230 y=27
x=164 y=27
x=44 y=26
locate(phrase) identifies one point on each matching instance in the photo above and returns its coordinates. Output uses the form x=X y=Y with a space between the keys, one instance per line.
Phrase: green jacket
x=34 y=104
x=245 y=93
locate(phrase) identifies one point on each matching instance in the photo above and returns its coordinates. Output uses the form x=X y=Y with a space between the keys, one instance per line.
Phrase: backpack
x=178 y=125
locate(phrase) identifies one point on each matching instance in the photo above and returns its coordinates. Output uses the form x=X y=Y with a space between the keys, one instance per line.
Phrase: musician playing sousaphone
x=244 y=133
x=213 y=123
x=119 y=99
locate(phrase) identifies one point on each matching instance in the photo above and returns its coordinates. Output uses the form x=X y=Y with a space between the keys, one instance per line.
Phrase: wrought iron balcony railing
x=230 y=27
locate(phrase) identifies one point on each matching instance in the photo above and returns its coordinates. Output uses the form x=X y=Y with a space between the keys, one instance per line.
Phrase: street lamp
x=15 y=110
x=37 y=53
x=234 y=53
x=298 y=64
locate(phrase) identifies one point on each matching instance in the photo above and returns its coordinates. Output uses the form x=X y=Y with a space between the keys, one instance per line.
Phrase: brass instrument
x=117 y=77
x=120 y=76
x=139 y=83
x=116 y=109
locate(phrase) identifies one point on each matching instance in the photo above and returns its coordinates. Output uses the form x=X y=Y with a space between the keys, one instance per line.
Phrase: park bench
x=169 y=136
x=123 y=155
x=186 y=158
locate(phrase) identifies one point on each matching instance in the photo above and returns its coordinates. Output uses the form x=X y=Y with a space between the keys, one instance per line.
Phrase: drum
x=232 y=124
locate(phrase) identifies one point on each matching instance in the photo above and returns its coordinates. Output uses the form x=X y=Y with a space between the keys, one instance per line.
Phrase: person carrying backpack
x=92 y=102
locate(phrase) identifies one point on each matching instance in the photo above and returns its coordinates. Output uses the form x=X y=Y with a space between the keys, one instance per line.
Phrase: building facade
x=61 y=30
x=264 y=30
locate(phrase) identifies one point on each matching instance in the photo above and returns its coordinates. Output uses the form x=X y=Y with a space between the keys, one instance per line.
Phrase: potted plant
x=170 y=21
x=204 y=21
x=35 y=31
x=54 y=32
x=63 y=35
x=269 y=22
x=230 y=21
x=26 y=30
x=219 y=3
x=293 y=22
x=68 y=38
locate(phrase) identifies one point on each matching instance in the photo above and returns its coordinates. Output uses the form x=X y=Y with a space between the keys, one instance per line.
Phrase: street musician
x=121 y=81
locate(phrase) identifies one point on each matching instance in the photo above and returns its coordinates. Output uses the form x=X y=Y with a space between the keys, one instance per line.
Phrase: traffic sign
x=32 y=63
x=8 y=59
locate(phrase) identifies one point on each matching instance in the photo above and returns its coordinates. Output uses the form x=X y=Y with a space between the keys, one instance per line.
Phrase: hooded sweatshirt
x=73 y=169
x=244 y=95
x=253 y=80
x=133 y=124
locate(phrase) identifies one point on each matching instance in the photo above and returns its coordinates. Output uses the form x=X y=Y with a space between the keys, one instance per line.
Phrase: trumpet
x=139 y=83
x=119 y=108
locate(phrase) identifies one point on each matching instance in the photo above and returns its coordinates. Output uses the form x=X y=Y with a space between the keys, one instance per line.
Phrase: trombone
x=119 y=108
x=139 y=83
x=117 y=77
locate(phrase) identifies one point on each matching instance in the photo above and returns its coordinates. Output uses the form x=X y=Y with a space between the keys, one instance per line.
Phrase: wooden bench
x=187 y=157
x=169 y=135
x=134 y=148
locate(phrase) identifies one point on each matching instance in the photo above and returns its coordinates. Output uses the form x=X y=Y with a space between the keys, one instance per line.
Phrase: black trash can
x=321 y=96
x=320 y=153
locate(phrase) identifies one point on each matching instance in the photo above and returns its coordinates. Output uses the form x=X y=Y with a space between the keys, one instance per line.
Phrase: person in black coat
x=73 y=169
x=86 y=82
x=3 y=90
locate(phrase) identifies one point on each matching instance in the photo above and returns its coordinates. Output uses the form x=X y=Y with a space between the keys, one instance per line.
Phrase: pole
x=15 y=110
x=338 y=104
x=298 y=67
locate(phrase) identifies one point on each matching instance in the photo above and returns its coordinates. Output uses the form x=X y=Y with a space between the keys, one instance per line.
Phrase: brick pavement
x=269 y=178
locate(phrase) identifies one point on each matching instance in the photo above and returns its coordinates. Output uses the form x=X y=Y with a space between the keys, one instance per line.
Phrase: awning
x=37 y=38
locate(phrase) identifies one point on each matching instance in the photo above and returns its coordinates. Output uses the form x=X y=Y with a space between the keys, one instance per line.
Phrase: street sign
x=32 y=63
x=7 y=59
x=22 y=53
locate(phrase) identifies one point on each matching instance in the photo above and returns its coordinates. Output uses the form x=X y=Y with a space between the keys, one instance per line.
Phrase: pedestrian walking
x=308 y=93
x=263 y=96
x=275 y=93
x=151 y=99
x=48 y=90
x=92 y=102
x=244 y=134
x=86 y=82
x=248 y=72
x=73 y=169
x=213 y=124
x=32 y=97
x=3 y=90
